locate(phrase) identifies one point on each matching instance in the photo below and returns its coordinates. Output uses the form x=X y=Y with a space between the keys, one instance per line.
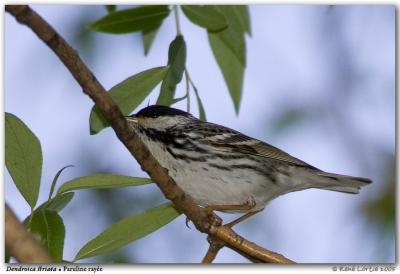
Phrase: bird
x=223 y=169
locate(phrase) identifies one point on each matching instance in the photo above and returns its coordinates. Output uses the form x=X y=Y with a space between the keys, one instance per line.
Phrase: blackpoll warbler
x=226 y=170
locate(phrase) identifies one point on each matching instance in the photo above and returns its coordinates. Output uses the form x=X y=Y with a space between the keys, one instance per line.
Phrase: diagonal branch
x=215 y=247
x=25 y=15
x=204 y=222
x=249 y=249
x=20 y=243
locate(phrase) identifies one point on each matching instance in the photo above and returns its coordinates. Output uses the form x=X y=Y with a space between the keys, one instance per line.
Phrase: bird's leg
x=250 y=204
x=215 y=243
x=242 y=207
x=242 y=218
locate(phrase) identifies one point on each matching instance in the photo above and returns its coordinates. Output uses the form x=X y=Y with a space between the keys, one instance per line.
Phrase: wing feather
x=228 y=140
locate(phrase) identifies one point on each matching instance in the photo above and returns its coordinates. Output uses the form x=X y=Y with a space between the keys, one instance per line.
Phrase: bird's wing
x=228 y=140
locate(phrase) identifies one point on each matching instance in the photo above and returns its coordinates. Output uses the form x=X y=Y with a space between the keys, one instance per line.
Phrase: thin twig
x=203 y=220
x=191 y=81
x=187 y=91
x=177 y=23
x=20 y=242
x=215 y=246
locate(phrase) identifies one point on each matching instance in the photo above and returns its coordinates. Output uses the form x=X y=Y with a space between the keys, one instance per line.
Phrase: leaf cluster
x=225 y=27
x=24 y=163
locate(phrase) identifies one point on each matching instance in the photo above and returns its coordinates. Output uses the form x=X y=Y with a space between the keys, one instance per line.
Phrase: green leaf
x=177 y=58
x=230 y=43
x=102 y=180
x=205 y=16
x=148 y=37
x=128 y=230
x=176 y=100
x=176 y=63
x=167 y=91
x=48 y=227
x=53 y=184
x=242 y=12
x=234 y=42
x=233 y=36
x=128 y=95
x=131 y=20
x=55 y=204
x=232 y=69
x=110 y=8
x=23 y=156
x=201 y=107
x=59 y=201
x=97 y=122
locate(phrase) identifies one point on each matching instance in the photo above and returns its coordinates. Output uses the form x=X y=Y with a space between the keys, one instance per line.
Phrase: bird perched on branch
x=223 y=169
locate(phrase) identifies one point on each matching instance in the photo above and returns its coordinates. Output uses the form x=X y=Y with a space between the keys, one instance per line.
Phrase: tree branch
x=25 y=15
x=215 y=247
x=20 y=242
x=202 y=219
x=243 y=246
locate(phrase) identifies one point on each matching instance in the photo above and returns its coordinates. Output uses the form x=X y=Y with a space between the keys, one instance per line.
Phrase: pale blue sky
x=337 y=64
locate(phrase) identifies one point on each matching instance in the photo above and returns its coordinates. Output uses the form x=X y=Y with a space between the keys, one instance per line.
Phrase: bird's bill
x=132 y=119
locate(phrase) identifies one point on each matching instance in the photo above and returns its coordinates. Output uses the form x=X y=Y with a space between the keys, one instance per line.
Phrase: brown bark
x=20 y=242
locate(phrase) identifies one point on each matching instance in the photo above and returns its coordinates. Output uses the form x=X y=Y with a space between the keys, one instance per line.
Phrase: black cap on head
x=155 y=111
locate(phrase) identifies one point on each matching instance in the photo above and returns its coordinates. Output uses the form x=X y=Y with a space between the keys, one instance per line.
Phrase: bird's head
x=159 y=117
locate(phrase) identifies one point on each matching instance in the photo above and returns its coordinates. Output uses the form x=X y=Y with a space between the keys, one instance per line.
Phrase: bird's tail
x=342 y=183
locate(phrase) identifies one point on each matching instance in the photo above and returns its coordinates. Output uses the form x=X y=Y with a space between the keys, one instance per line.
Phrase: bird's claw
x=187 y=223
